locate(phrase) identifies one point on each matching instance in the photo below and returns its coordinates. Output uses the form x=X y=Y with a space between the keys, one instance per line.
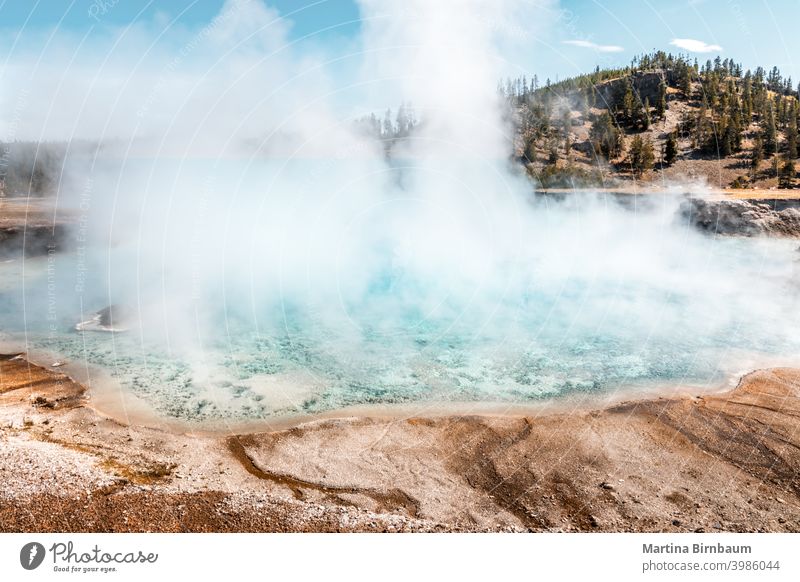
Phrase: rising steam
x=233 y=196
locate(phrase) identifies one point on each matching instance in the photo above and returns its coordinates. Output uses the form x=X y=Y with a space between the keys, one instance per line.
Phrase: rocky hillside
x=662 y=119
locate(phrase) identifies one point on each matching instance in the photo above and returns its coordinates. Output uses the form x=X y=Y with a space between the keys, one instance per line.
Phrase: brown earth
x=32 y=225
x=729 y=462
x=644 y=189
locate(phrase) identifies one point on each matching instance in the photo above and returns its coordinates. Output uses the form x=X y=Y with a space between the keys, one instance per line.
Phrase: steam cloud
x=233 y=194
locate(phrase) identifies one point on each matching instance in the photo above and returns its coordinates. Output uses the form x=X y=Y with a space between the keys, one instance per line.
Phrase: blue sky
x=588 y=32
x=569 y=38
x=308 y=16
x=754 y=32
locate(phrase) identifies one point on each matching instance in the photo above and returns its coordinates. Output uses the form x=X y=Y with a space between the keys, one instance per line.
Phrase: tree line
x=729 y=105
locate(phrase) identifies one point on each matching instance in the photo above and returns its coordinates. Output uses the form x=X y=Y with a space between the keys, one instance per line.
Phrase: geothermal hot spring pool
x=598 y=300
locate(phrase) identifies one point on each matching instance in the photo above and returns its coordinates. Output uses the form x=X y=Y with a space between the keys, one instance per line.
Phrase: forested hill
x=662 y=118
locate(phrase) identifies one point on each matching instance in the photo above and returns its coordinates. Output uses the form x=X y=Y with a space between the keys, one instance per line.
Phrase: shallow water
x=682 y=309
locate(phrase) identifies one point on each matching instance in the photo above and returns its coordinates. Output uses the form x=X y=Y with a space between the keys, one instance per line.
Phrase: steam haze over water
x=270 y=259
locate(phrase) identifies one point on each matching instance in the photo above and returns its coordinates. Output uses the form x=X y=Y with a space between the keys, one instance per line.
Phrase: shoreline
x=110 y=401
x=701 y=191
x=686 y=462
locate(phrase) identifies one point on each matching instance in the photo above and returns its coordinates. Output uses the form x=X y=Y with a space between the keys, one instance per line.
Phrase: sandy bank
x=653 y=188
x=721 y=462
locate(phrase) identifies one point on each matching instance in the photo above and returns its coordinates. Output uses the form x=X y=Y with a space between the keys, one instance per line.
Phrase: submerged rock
x=108 y=319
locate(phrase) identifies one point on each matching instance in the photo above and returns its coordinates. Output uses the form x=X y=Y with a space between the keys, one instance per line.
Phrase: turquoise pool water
x=685 y=309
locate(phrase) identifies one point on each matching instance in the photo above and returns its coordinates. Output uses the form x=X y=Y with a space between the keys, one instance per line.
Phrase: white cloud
x=695 y=46
x=603 y=48
x=449 y=47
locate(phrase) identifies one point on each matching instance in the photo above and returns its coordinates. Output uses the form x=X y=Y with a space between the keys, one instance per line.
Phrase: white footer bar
x=354 y=557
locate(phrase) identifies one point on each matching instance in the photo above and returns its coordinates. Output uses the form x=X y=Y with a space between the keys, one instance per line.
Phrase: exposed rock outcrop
x=645 y=85
x=743 y=217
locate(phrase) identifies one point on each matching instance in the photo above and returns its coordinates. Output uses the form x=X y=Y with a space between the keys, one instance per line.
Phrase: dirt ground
x=729 y=462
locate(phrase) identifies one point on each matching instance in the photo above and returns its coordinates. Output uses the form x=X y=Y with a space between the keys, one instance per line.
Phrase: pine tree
x=388 y=126
x=402 y=121
x=735 y=117
x=770 y=132
x=628 y=103
x=661 y=102
x=747 y=98
x=552 y=155
x=724 y=137
x=685 y=81
x=791 y=138
x=671 y=149
x=530 y=151
x=640 y=155
x=702 y=132
x=787 y=174
x=756 y=157
x=606 y=138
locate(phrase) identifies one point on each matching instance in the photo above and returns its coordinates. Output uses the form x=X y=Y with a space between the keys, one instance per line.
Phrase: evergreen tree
x=769 y=132
x=388 y=126
x=726 y=137
x=791 y=139
x=606 y=138
x=530 y=151
x=552 y=155
x=747 y=97
x=661 y=102
x=685 y=82
x=628 y=103
x=402 y=122
x=640 y=155
x=787 y=174
x=671 y=149
x=735 y=120
x=703 y=133
x=756 y=157
x=774 y=80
